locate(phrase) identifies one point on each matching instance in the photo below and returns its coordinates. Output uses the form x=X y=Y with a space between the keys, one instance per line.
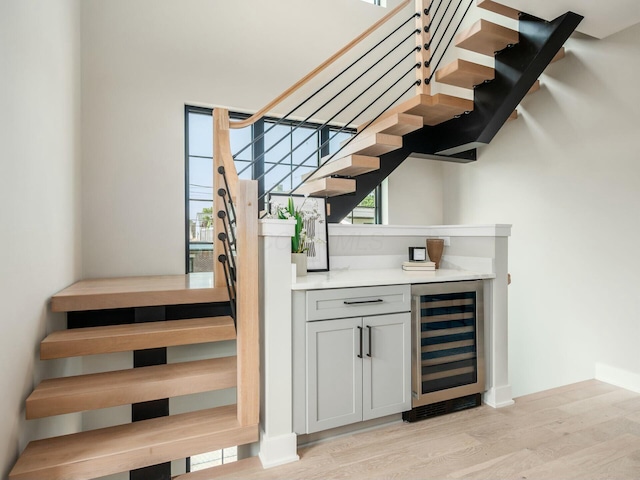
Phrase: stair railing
x=432 y=30
x=344 y=102
x=236 y=217
x=447 y=35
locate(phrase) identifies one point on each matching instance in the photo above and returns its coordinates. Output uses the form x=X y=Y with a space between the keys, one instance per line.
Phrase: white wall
x=566 y=174
x=39 y=201
x=141 y=62
x=413 y=195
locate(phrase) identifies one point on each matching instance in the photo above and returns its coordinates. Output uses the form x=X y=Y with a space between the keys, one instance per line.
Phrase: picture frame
x=417 y=254
x=317 y=250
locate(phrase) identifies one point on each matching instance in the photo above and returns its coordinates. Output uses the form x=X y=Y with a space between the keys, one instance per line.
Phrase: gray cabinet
x=355 y=368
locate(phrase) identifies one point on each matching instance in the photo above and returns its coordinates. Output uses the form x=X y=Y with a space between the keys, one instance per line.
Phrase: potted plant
x=300 y=241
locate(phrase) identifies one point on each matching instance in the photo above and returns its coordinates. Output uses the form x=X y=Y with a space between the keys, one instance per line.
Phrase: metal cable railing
x=446 y=34
x=315 y=112
x=326 y=142
x=330 y=82
x=342 y=100
x=442 y=27
x=228 y=239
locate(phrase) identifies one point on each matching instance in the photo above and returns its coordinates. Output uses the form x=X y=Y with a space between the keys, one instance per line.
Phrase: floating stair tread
x=136 y=336
x=327 y=187
x=106 y=293
x=396 y=124
x=349 y=166
x=435 y=109
x=498 y=8
x=238 y=469
x=465 y=74
x=135 y=445
x=371 y=144
x=109 y=389
x=486 y=38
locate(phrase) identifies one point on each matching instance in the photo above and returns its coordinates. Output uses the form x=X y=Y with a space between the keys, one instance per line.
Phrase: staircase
x=446 y=127
x=145 y=315
x=149 y=314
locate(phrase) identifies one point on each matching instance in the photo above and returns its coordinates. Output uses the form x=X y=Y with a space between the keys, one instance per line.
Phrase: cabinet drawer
x=357 y=302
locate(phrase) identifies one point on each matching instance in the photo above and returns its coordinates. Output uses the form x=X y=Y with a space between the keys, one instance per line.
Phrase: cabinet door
x=387 y=365
x=334 y=373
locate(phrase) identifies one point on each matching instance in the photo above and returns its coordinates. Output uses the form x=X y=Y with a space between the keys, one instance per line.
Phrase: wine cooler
x=448 y=367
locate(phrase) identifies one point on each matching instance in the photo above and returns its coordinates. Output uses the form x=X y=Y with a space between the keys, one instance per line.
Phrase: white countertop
x=343 y=278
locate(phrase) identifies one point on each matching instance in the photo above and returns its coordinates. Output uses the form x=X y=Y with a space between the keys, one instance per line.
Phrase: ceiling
x=601 y=18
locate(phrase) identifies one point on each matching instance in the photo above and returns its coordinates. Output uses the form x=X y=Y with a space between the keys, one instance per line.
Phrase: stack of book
x=423 y=266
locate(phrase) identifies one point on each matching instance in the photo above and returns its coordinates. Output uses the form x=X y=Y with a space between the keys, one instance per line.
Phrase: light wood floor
x=589 y=430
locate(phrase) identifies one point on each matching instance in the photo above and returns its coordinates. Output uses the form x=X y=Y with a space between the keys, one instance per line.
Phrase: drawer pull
x=360 y=302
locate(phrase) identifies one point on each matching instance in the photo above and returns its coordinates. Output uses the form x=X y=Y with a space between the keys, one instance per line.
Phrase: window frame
x=259 y=167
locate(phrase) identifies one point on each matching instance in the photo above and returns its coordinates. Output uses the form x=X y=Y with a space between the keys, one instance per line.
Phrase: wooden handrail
x=303 y=81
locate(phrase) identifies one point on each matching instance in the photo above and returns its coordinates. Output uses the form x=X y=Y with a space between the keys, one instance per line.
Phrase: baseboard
x=278 y=450
x=498 y=397
x=618 y=377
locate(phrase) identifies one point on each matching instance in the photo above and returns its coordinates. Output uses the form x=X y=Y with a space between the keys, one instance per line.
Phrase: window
x=368 y=210
x=380 y=3
x=283 y=159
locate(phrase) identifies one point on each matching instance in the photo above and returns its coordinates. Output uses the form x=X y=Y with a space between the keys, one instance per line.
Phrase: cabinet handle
x=357 y=302
x=370 y=330
x=360 y=330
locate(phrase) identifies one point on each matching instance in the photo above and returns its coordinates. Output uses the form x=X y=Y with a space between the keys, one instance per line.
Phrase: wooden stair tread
x=396 y=124
x=106 y=293
x=513 y=116
x=434 y=109
x=237 y=469
x=101 y=390
x=371 y=144
x=464 y=74
x=486 y=38
x=136 y=336
x=135 y=445
x=498 y=8
x=327 y=187
x=349 y=166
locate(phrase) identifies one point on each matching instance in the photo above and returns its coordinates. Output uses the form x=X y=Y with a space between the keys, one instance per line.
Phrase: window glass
x=292 y=152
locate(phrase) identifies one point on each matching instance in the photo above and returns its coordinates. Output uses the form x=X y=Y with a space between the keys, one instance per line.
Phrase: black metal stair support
x=517 y=69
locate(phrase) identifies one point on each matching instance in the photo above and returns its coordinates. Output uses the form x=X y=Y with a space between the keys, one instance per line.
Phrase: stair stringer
x=412 y=146
x=516 y=70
